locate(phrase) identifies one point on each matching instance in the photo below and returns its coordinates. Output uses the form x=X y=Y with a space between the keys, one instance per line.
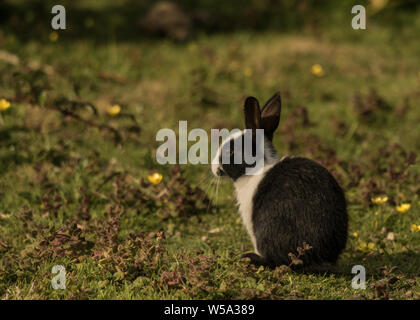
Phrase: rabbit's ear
x=252 y=114
x=270 y=115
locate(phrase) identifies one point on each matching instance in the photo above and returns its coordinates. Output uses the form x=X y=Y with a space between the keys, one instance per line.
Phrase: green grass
x=65 y=168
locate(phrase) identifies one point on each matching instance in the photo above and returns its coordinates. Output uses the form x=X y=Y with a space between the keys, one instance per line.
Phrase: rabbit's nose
x=220 y=172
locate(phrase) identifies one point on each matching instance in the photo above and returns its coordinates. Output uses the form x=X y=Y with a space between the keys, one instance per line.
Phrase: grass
x=74 y=188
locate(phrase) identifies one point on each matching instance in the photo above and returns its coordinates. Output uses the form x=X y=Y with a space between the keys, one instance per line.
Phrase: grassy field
x=74 y=187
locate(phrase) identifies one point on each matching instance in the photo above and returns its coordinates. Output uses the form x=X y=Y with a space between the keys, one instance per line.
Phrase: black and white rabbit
x=294 y=200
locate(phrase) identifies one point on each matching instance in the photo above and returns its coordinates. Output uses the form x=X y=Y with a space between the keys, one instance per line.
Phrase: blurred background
x=183 y=19
x=79 y=113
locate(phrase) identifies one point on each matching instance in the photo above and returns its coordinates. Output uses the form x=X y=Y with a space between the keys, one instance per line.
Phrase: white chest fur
x=245 y=188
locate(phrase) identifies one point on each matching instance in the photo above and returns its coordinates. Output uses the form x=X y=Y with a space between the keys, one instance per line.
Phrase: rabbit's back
x=299 y=201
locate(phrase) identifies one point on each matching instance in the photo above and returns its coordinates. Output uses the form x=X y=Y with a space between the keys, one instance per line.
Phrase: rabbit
x=292 y=201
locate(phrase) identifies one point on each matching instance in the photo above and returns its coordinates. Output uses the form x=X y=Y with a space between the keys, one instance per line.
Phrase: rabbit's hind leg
x=257 y=260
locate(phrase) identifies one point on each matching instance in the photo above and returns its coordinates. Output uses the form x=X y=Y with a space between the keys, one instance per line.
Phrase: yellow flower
x=378 y=4
x=54 y=36
x=404 y=207
x=366 y=247
x=4 y=104
x=415 y=228
x=379 y=200
x=355 y=234
x=155 y=178
x=317 y=70
x=114 y=110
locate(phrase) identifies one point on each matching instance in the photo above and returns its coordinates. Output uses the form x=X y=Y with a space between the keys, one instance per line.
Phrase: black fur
x=232 y=170
x=299 y=201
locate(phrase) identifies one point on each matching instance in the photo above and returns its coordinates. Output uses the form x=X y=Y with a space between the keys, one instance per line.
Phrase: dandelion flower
x=379 y=200
x=4 y=104
x=366 y=247
x=155 y=178
x=317 y=70
x=54 y=36
x=415 y=228
x=355 y=234
x=404 y=207
x=378 y=5
x=114 y=110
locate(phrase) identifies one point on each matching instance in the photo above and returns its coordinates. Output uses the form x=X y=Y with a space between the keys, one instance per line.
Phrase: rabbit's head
x=248 y=151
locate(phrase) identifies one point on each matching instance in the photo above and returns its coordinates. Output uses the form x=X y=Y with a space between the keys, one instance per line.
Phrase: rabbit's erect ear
x=252 y=114
x=270 y=115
